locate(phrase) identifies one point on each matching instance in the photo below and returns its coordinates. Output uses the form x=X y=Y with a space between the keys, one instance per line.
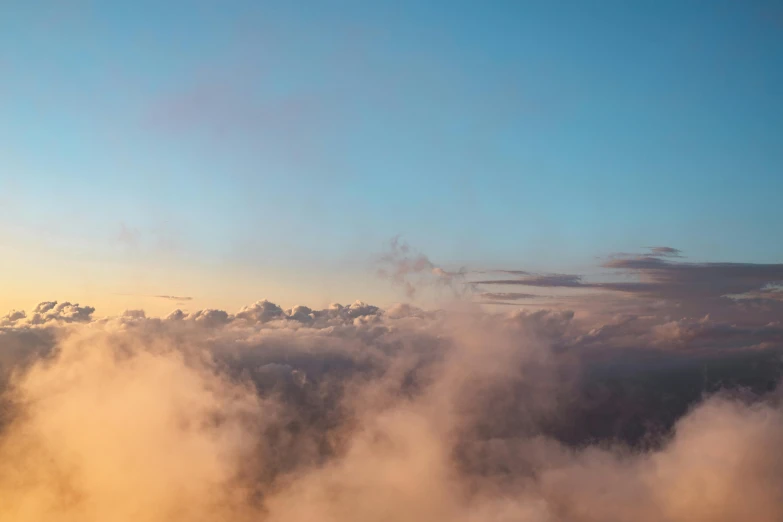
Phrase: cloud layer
x=354 y=413
x=657 y=275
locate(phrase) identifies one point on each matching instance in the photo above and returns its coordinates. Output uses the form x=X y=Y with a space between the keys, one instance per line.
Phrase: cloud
x=546 y=281
x=664 y=278
x=174 y=297
x=260 y=311
x=177 y=298
x=412 y=270
x=134 y=314
x=210 y=317
x=48 y=311
x=358 y=413
x=655 y=276
x=507 y=295
x=12 y=317
x=664 y=251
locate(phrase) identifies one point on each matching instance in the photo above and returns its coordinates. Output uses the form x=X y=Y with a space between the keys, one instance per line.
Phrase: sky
x=422 y=261
x=231 y=151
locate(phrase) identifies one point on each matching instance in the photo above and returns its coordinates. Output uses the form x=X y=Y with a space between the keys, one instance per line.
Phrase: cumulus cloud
x=260 y=311
x=356 y=412
x=12 y=317
x=49 y=311
x=210 y=317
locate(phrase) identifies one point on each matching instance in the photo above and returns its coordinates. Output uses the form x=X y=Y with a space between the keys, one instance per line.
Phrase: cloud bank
x=657 y=275
x=359 y=413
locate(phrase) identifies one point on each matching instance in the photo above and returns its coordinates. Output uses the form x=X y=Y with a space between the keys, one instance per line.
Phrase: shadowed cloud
x=662 y=278
x=549 y=280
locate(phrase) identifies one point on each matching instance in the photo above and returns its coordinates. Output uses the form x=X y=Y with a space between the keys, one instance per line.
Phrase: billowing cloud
x=261 y=311
x=12 y=317
x=359 y=413
x=48 y=311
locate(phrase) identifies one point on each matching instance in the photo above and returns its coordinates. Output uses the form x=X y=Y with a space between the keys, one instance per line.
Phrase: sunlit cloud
x=357 y=412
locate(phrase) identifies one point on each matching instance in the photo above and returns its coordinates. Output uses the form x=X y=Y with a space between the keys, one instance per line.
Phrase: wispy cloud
x=413 y=270
x=178 y=298
x=506 y=295
x=547 y=281
x=174 y=297
x=664 y=251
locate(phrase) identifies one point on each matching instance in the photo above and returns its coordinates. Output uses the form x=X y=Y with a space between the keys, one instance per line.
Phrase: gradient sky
x=232 y=151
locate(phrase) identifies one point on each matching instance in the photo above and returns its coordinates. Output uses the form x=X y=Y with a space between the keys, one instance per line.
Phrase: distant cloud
x=512 y=272
x=174 y=297
x=662 y=278
x=507 y=295
x=413 y=270
x=664 y=251
x=177 y=298
x=60 y=312
x=549 y=280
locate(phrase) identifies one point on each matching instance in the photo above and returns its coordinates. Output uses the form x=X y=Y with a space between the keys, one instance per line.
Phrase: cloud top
x=357 y=412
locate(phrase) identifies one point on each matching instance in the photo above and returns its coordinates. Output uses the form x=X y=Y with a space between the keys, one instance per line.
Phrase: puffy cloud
x=360 y=413
x=400 y=310
x=261 y=312
x=63 y=312
x=12 y=317
x=176 y=315
x=210 y=317
x=300 y=313
x=44 y=307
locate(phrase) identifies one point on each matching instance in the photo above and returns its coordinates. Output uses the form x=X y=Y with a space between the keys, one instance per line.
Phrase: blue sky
x=140 y=141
